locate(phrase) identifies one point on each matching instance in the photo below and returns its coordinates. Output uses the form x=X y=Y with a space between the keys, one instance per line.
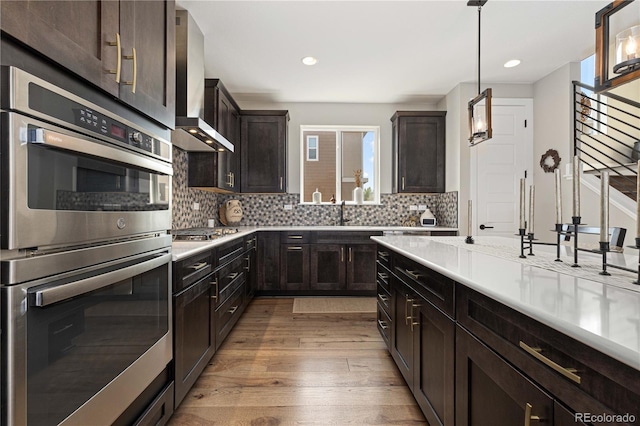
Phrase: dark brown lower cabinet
x=491 y=392
x=361 y=267
x=268 y=262
x=327 y=267
x=294 y=267
x=422 y=345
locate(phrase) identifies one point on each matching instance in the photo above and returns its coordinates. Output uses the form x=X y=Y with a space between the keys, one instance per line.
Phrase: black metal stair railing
x=607 y=135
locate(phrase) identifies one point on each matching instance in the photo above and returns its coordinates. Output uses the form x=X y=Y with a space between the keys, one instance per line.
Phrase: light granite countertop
x=183 y=249
x=603 y=315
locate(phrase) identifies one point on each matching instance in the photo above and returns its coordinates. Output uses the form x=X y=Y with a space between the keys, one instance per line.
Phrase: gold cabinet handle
x=281 y=183
x=294 y=237
x=528 y=418
x=350 y=254
x=341 y=254
x=383 y=275
x=229 y=183
x=215 y=283
x=233 y=310
x=413 y=274
x=402 y=182
x=414 y=305
x=384 y=298
x=232 y=276
x=133 y=57
x=198 y=266
x=406 y=311
x=383 y=254
x=233 y=180
x=118 y=46
x=382 y=324
x=569 y=373
x=248 y=267
x=294 y=248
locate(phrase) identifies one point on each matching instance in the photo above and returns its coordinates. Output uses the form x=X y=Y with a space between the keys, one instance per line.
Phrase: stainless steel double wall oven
x=86 y=259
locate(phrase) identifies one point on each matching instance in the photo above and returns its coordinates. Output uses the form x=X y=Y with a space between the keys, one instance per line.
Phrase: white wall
x=339 y=114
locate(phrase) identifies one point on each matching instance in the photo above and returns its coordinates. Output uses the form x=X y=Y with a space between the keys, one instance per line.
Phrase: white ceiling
x=385 y=51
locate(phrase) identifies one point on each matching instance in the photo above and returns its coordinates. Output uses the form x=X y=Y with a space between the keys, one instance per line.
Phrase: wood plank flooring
x=280 y=368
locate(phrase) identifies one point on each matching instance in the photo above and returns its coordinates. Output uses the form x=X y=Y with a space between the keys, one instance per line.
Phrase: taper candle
x=558 y=178
x=638 y=203
x=522 y=222
x=576 y=186
x=532 y=197
x=604 y=207
x=469 y=219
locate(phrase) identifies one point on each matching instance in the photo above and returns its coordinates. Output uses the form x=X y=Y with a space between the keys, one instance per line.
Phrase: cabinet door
x=489 y=391
x=268 y=265
x=327 y=271
x=149 y=80
x=294 y=267
x=434 y=356
x=361 y=267
x=263 y=153
x=421 y=153
x=75 y=34
x=402 y=331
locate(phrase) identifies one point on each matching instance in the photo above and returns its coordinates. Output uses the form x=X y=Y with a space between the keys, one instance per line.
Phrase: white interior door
x=499 y=164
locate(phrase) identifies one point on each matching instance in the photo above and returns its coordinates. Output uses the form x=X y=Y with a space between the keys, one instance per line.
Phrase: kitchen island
x=559 y=345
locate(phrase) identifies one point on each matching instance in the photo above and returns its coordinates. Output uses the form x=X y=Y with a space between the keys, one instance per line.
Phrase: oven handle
x=57 y=294
x=50 y=138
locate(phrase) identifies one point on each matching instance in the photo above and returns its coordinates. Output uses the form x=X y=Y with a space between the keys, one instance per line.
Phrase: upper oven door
x=65 y=188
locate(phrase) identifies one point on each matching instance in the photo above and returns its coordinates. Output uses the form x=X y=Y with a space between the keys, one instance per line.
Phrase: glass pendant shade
x=627 y=50
x=480 y=118
x=622 y=66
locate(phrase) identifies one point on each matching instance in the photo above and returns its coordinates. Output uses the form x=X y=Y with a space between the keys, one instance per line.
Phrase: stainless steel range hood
x=192 y=132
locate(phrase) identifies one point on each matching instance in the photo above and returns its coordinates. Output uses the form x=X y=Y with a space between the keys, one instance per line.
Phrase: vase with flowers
x=358 y=194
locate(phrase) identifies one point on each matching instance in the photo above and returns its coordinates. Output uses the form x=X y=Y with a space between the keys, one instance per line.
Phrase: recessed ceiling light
x=512 y=63
x=309 y=60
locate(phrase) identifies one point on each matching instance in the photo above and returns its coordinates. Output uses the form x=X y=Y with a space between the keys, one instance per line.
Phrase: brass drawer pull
x=350 y=254
x=294 y=237
x=413 y=274
x=383 y=275
x=407 y=317
x=383 y=254
x=233 y=275
x=296 y=248
x=528 y=418
x=233 y=310
x=569 y=373
x=134 y=58
x=215 y=282
x=198 y=266
x=119 y=61
x=382 y=325
x=413 y=322
x=384 y=298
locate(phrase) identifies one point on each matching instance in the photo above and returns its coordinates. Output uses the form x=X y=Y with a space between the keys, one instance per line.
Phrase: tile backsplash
x=268 y=209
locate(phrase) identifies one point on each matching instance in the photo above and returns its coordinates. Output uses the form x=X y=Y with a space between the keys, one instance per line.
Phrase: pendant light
x=480 y=106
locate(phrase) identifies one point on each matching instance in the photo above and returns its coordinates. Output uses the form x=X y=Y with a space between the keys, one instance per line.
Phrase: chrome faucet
x=342 y=219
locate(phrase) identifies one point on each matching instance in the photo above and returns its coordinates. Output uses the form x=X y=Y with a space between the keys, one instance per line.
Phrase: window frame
x=317 y=147
x=338 y=130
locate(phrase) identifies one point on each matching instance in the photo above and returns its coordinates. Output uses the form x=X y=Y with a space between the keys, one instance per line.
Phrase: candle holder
x=531 y=243
x=604 y=249
x=559 y=232
x=576 y=222
x=522 y=233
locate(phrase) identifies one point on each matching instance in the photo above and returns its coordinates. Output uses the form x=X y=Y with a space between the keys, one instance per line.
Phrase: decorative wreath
x=585 y=107
x=547 y=158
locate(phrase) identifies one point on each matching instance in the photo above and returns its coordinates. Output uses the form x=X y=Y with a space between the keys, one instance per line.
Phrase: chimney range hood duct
x=192 y=132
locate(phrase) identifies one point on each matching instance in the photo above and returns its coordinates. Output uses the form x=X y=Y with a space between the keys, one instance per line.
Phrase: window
x=345 y=150
x=312 y=148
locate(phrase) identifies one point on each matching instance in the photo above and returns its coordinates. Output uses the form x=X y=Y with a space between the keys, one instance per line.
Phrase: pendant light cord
x=479 y=11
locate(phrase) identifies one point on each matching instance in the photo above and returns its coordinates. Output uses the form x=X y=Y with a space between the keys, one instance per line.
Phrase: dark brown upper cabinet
x=96 y=39
x=418 y=139
x=263 y=150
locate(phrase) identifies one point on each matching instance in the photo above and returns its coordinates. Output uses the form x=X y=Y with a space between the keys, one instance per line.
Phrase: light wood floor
x=280 y=368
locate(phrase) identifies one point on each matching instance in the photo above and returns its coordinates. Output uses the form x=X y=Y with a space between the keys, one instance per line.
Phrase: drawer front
x=581 y=377
x=295 y=237
x=228 y=314
x=434 y=287
x=190 y=270
x=230 y=251
x=384 y=325
x=384 y=299
x=228 y=279
x=383 y=277
x=384 y=257
x=160 y=410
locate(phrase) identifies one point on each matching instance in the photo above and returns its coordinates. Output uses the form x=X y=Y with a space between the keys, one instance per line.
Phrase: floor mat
x=324 y=305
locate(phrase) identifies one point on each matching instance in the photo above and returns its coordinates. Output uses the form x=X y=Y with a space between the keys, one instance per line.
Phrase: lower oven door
x=83 y=346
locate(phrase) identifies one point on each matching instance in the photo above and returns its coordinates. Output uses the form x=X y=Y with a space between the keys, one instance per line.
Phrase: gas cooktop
x=201 y=234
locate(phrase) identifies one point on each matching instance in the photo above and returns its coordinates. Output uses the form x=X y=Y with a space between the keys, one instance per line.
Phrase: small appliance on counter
x=427 y=218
